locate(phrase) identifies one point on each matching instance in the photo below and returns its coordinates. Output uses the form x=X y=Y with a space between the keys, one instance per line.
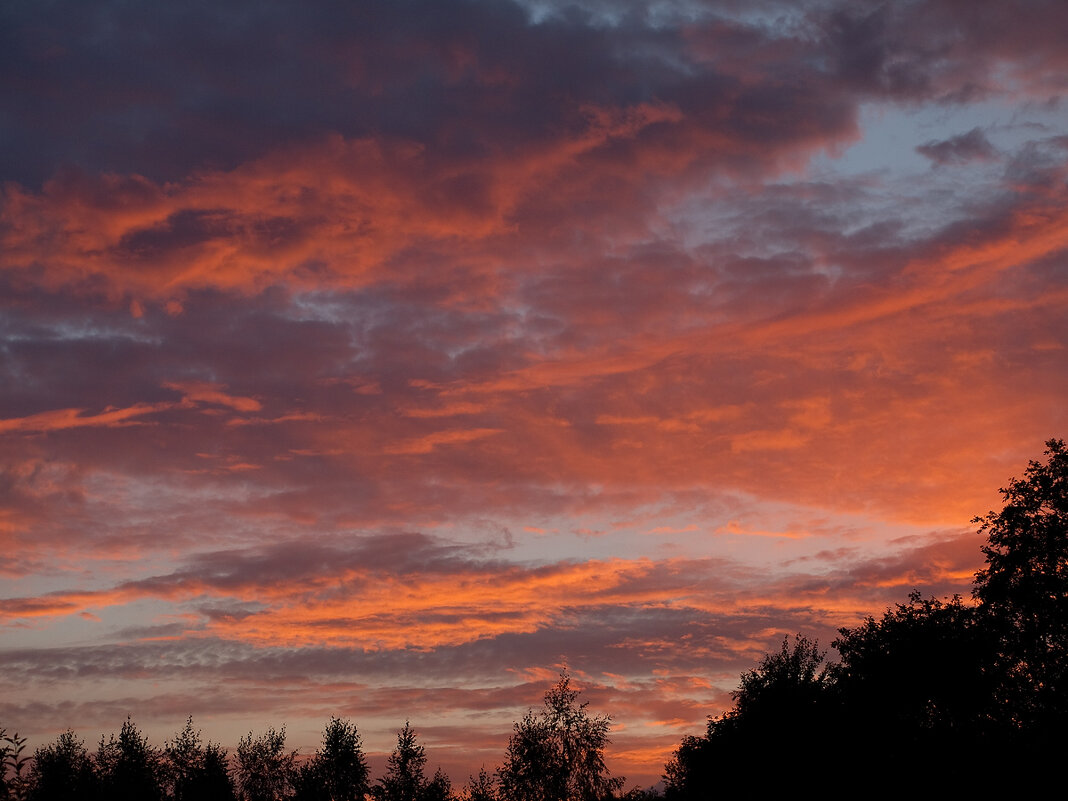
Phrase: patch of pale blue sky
x=611 y=13
x=880 y=179
x=890 y=134
x=782 y=16
x=87 y=329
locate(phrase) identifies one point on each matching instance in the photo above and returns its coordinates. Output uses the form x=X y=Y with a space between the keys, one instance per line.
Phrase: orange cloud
x=203 y=392
x=62 y=419
x=431 y=441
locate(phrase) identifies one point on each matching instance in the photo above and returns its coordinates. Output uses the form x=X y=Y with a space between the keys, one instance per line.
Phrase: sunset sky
x=379 y=359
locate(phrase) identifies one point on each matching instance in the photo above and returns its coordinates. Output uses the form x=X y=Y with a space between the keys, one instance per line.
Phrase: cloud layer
x=378 y=359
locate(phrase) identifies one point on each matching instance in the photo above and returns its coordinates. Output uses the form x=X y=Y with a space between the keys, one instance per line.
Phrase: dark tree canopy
x=195 y=771
x=558 y=754
x=405 y=778
x=931 y=692
x=778 y=709
x=1024 y=590
x=338 y=771
x=918 y=674
x=63 y=771
x=128 y=767
x=787 y=683
x=481 y=788
x=439 y=788
x=265 y=770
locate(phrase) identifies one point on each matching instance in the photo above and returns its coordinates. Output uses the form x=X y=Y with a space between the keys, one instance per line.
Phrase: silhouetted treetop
x=1024 y=589
x=793 y=677
x=338 y=771
x=197 y=772
x=62 y=771
x=265 y=770
x=558 y=754
x=405 y=778
x=128 y=767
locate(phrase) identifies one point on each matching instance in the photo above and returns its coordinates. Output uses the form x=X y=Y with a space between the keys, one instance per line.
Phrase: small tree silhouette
x=265 y=770
x=558 y=754
x=404 y=779
x=338 y=771
x=196 y=772
x=482 y=788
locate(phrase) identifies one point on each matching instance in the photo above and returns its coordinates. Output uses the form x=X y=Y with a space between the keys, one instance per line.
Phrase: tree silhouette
x=196 y=772
x=785 y=685
x=781 y=712
x=62 y=771
x=935 y=688
x=439 y=788
x=265 y=770
x=482 y=788
x=1023 y=591
x=558 y=754
x=128 y=767
x=404 y=779
x=338 y=771
x=920 y=674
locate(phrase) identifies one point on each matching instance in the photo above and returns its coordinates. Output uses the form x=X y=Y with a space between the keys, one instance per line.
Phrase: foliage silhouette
x=265 y=770
x=933 y=688
x=338 y=771
x=13 y=766
x=196 y=772
x=919 y=674
x=404 y=779
x=439 y=788
x=1023 y=591
x=558 y=754
x=128 y=767
x=62 y=771
x=780 y=707
x=792 y=680
x=482 y=788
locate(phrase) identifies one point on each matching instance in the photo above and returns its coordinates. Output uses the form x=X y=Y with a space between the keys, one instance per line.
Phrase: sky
x=381 y=359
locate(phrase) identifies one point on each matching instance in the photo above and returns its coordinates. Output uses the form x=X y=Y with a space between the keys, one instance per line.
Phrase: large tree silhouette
x=781 y=708
x=1023 y=591
x=933 y=691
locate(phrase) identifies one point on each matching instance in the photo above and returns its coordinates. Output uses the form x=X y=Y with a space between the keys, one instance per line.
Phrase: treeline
x=188 y=769
x=557 y=753
x=935 y=696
